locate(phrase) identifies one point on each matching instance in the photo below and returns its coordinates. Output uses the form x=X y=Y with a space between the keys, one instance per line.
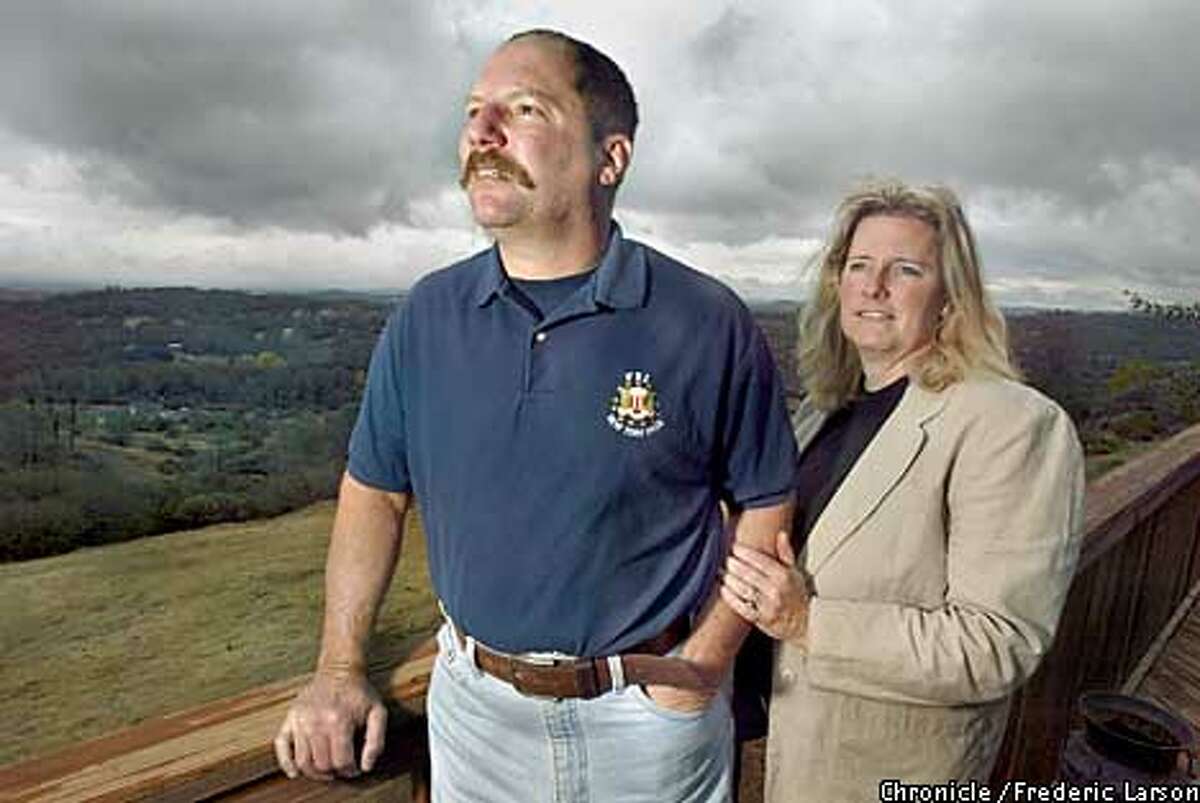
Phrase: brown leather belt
x=585 y=678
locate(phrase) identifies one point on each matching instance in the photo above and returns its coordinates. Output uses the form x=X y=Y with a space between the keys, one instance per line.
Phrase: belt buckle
x=518 y=668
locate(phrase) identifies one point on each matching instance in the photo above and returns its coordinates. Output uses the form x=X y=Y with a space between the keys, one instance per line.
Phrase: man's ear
x=615 y=153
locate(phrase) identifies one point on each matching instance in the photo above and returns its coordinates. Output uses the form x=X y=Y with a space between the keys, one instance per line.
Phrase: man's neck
x=554 y=256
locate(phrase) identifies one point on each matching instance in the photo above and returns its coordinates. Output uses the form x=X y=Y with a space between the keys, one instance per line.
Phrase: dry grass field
x=101 y=638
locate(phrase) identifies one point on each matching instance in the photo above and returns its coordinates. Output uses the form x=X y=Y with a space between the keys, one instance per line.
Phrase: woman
x=939 y=507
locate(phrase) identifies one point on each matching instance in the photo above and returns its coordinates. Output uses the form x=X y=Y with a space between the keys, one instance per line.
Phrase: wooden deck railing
x=223 y=750
x=1141 y=558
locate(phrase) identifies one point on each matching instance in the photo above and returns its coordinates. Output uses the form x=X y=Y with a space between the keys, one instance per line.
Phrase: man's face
x=526 y=149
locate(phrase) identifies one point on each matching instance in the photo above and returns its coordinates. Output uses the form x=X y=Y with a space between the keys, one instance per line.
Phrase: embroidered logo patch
x=635 y=410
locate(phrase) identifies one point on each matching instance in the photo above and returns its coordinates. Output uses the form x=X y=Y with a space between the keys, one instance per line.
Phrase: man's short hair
x=606 y=92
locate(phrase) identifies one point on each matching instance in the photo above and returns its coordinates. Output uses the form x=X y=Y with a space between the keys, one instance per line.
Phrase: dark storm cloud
x=1037 y=97
x=1059 y=91
x=1068 y=127
x=313 y=115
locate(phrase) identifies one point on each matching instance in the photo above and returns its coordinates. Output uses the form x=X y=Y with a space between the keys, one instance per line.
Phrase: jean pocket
x=648 y=703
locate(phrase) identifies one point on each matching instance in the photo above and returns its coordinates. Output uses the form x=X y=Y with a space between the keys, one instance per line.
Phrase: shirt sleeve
x=758 y=449
x=1014 y=507
x=377 y=453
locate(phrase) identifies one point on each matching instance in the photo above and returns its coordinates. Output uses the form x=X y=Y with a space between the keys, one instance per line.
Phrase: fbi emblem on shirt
x=634 y=411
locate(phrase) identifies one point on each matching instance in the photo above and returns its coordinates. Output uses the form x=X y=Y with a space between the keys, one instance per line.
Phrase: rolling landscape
x=216 y=422
x=170 y=452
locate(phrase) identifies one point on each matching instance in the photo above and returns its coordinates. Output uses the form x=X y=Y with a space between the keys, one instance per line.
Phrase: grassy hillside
x=101 y=638
x=244 y=401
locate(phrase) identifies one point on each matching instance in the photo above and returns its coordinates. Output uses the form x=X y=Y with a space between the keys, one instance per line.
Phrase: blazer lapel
x=879 y=468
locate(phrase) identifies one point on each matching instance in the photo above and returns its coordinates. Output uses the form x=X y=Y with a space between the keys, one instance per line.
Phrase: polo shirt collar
x=492 y=277
x=619 y=280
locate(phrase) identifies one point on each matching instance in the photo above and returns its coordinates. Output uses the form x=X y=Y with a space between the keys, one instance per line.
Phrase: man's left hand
x=684 y=701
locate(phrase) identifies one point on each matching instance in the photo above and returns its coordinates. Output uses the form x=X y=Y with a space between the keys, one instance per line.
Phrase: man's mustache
x=494 y=160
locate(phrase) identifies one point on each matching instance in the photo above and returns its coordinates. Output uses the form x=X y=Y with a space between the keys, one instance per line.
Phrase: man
x=569 y=407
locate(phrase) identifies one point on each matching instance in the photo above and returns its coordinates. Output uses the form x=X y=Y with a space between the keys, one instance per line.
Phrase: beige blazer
x=940 y=568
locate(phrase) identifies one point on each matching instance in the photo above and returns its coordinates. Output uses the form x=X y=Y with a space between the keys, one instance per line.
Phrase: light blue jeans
x=488 y=742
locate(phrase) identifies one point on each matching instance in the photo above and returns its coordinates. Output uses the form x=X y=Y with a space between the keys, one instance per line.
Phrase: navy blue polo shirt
x=568 y=467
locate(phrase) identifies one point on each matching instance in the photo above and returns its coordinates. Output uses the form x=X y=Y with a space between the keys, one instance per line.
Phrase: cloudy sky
x=271 y=144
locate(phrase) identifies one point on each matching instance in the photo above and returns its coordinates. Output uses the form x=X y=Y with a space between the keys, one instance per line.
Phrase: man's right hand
x=317 y=736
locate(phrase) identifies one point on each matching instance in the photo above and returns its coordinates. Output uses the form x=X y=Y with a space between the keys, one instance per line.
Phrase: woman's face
x=891 y=293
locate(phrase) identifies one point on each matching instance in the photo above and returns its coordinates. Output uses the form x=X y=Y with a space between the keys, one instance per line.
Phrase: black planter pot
x=1136 y=733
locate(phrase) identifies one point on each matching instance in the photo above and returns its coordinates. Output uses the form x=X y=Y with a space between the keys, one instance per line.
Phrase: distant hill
x=88 y=345
x=1045 y=343
x=65 y=344
x=780 y=307
x=1109 y=336
x=17 y=294
x=1123 y=377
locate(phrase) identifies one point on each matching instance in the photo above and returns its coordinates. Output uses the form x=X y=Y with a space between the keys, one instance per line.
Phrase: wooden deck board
x=1173 y=680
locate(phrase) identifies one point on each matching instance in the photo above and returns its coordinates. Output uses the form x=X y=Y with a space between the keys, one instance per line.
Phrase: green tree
x=1133 y=375
x=266 y=360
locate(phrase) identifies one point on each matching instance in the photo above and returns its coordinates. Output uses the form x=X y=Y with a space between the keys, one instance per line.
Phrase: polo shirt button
x=540 y=337
x=786 y=678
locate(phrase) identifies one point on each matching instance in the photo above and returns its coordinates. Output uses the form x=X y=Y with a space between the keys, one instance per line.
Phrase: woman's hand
x=768 y=590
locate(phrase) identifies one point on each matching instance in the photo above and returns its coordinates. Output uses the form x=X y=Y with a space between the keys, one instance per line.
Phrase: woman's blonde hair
x=971 y=336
